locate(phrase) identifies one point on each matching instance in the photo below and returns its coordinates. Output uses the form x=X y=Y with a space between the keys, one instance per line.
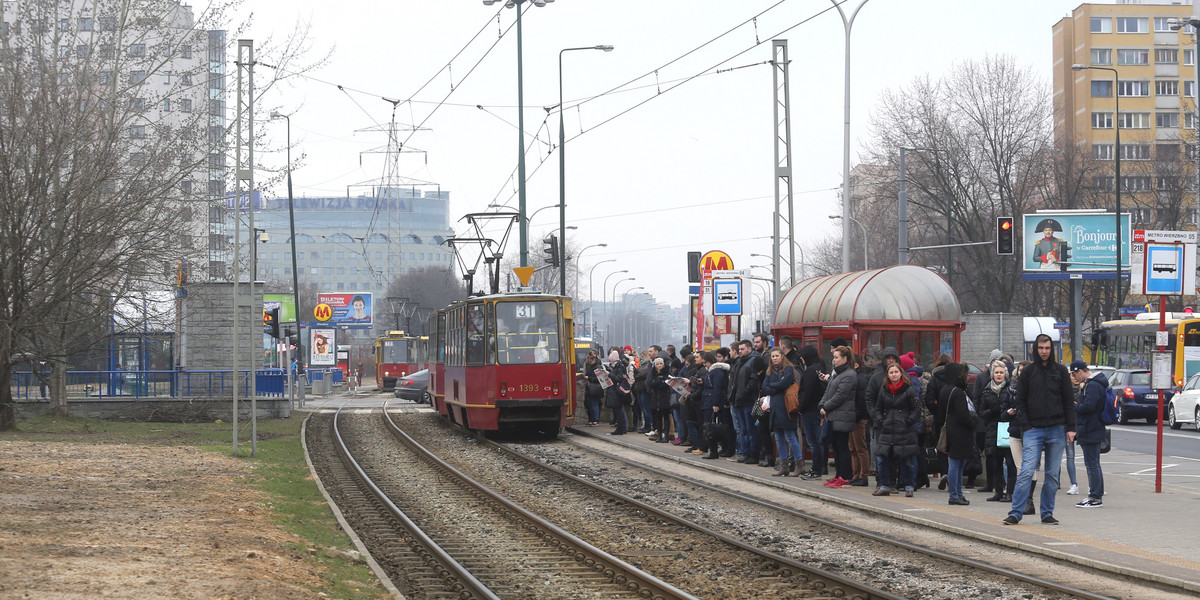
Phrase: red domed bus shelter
x=905 y=306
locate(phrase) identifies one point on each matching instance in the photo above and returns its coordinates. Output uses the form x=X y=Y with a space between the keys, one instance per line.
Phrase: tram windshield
x=527 y=332
x=394 y=351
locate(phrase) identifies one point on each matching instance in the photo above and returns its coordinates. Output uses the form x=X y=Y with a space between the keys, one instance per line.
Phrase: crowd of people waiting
x=759 y=404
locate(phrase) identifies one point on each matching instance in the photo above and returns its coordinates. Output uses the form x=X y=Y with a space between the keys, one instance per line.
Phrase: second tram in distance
x=505 y=362
x=396 y=355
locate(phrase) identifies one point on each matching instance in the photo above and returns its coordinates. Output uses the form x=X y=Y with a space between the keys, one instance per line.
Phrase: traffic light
x=551 y=249
x=271 y=322
x=1004 y=235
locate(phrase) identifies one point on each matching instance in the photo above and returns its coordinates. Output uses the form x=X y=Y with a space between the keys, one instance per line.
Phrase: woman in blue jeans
x=780 y=376
x=961 y=420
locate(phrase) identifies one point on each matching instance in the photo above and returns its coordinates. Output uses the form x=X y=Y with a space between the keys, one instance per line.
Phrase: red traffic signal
x=1004 y=235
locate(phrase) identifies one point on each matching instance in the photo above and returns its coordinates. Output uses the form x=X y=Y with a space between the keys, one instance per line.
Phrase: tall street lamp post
x=604 y=291
x=295 y=272
x=523 y=226
x=864 y=232
x=1117 y=159
x=611 y=307
x=848 y=24
x=1194 y=23
x=577 y=269
x=562 y=172
x=592 y=296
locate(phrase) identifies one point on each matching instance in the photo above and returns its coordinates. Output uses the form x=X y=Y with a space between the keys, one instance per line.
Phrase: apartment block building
x=152 y=72
x=1140 y=57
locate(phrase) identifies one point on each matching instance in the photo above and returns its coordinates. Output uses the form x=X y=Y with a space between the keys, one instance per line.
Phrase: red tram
x=396 y=355
x=505 y=362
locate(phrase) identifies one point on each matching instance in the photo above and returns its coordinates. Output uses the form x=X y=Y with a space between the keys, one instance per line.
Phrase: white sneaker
x=1074 y=490
x=652 y=433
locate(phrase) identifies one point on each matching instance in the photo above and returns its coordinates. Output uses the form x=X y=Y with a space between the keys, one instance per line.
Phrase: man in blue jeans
x=1090 y=432
x=1045 y=409
x=815 y=432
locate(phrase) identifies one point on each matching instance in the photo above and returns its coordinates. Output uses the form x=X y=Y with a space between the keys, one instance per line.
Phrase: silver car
x=414 y=387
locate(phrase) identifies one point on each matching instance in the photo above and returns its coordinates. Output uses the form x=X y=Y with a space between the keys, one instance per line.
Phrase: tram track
x=689 y=556
x=702 y=561
x=472 y=544
x=970 y=564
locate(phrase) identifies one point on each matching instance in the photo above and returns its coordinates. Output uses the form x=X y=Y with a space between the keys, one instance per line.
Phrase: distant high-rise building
x=1147 y=63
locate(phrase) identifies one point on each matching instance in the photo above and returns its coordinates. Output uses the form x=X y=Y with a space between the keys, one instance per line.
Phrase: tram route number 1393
x=528 y=387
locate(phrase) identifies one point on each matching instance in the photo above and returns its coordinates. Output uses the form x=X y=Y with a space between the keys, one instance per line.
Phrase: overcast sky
x=661 y=161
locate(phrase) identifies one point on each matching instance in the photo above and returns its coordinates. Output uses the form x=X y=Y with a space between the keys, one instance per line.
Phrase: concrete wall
x=206 y=331
x=987 y=331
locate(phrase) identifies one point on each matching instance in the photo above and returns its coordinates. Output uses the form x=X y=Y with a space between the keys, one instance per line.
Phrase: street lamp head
x=1079 y=67
x=605 y=47
x=835 y=217
x=275 y=115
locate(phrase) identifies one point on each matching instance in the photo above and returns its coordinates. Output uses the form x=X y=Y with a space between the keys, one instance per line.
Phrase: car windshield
x=1141 y=378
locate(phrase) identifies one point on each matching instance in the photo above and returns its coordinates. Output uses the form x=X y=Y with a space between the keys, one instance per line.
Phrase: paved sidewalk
x=1137 y=532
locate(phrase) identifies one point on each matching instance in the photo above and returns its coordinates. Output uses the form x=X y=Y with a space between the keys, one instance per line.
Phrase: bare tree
x=108 y=166
x=980 y=139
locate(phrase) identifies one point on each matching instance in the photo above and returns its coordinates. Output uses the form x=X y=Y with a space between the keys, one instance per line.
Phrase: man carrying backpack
x=1089 y=428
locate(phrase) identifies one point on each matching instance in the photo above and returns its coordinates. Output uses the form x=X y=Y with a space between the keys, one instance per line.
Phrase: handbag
x=941 y=442
x=1002 y=434
x=1106 y=443
x=758 y=411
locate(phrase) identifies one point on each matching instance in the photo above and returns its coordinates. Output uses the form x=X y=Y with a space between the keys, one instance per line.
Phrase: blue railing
x=163 y=384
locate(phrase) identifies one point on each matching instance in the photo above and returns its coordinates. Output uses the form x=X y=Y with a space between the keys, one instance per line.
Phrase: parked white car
x=1185 y=406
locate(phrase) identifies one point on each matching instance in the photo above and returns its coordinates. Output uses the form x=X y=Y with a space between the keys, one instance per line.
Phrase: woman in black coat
x=961 y=420
x=994 y=401
x=594 y=392
x=898 y=410
x=660 y=399
x=691 y=404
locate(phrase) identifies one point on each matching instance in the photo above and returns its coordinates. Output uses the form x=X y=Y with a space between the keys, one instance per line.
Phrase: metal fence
x=163 y=384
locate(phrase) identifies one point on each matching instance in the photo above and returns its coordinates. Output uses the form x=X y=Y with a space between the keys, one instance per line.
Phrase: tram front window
x=527 y=332
x=395 y=351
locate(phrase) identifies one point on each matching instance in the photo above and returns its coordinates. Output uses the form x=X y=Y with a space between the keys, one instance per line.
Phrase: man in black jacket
x=745 y=389
x=811 y=390
x=1045 y=409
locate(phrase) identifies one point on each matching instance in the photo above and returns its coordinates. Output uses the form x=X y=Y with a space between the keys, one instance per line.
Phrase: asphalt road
x=1143 y=439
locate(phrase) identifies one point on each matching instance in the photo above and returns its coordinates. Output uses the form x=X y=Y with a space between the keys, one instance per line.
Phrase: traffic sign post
x=727 y=297
x=1162 y=263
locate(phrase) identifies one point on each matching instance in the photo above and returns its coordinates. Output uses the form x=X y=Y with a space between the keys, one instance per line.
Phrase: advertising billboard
x=286 y=304
x=321 y=346
x=1073 y=242
x=346 y=309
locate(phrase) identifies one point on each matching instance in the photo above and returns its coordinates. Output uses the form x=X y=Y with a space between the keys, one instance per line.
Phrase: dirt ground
x=119 y=521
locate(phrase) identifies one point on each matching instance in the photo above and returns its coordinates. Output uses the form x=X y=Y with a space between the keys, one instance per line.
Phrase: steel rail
x=938 y=554
x=618 y=571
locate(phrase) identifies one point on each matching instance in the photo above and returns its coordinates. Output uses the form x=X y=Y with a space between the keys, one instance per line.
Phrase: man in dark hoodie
x=1090 y=429
x=1045 y=409
x=811 y=391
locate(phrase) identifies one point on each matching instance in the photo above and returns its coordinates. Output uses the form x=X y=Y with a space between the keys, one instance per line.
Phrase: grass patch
x=283 y=477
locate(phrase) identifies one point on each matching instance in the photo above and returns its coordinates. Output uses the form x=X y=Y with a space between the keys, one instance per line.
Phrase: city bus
x=1128 y=343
